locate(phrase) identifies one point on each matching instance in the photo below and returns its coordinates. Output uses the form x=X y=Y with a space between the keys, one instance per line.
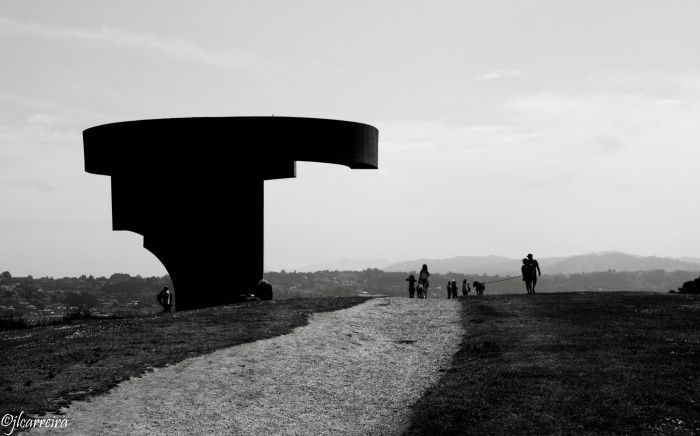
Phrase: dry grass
x=349 y=372
x=45 y=368
x=603 y=363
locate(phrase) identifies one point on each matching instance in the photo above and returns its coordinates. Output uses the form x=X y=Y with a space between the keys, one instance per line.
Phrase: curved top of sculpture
x=268 y=146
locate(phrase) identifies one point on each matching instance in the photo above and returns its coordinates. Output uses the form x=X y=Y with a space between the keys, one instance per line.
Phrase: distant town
x=48 y=297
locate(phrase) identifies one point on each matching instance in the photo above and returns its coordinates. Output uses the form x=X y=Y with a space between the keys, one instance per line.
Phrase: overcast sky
x=505 y=127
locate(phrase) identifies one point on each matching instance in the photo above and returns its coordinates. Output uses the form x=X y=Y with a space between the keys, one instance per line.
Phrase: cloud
x=600 y=142
x=609 y=143
x=389 y=147
x=439 y=137
x=668 y=102
x=39 y=154
x=41 y=111
x=174 y=48
x=612 y=134
x=498 y=74
x=41 y=120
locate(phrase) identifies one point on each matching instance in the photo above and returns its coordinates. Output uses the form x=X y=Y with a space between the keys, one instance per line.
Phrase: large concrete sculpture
x=193 y=187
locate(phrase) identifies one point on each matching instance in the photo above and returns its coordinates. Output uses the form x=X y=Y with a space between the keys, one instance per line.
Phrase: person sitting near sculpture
x=264 y=290
x=165 y=299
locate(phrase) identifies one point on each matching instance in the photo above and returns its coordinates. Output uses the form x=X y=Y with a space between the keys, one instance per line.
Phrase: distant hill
x=592 y=262
x=619 y=262
x=346 y=265
x=460 y=264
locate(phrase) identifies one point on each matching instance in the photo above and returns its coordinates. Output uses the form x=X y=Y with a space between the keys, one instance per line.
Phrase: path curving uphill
x=353 y=371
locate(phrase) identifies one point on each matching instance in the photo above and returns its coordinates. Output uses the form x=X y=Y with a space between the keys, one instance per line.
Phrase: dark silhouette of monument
x=193 y=187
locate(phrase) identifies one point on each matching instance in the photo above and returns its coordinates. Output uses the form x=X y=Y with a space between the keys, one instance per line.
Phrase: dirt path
x=354 y=371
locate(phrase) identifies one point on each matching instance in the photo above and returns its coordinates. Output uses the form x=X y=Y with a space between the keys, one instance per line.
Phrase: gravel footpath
x=354 y=371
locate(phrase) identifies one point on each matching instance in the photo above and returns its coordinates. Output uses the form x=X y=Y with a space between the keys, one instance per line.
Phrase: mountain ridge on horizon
x=499 y=265
x=346 y=264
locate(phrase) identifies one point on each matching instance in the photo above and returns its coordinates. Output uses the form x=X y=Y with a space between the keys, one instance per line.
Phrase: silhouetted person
x=535 y=266
x=479 y=287
x=526 y=269
x=165 y=299
x=465 y=287
x=423 y=278
x=411 y=285
x=264 y=290
x=420 y=291
x=452 y=289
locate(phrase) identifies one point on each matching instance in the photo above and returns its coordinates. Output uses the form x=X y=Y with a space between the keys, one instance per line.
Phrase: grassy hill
x=573 y=363
x=45 y=368
x=590 y=363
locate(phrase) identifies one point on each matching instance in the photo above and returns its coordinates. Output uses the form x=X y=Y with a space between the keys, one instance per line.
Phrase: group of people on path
x=479 y=288
x=419 y=287
x=421 y=290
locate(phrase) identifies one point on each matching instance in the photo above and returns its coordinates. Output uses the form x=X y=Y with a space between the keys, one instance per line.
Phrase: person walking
x=526 y=270
x=411 y=285
x=424 y=279
x=465 y=287
x=453 y=289
x=535 y=271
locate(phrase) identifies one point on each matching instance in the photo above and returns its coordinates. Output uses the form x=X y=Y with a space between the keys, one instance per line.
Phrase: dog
x=479 y=287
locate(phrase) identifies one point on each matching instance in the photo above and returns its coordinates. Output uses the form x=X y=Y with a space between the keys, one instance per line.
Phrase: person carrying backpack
x=535 y=266
x=165 y=299
x=423 y=279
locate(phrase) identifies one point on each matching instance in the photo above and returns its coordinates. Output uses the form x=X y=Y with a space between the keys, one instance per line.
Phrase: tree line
x=47 y=294
x=376 y=281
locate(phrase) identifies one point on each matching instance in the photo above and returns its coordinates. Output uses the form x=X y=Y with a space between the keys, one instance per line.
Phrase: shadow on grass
x=605 y=363
x=19 y=322
x=45 y=368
